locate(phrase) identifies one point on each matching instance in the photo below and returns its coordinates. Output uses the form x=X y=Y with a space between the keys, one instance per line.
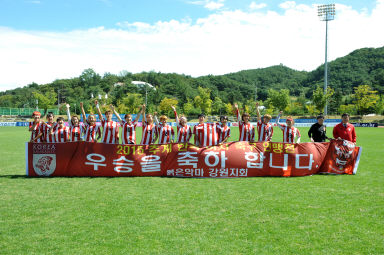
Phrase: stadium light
x=141 y=84
x=326 y=12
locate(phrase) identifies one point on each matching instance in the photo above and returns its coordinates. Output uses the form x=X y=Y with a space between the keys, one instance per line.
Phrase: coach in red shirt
x=345 y=130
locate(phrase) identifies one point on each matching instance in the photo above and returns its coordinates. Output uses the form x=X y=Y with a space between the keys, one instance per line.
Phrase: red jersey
x=76 y=132
x=149 y=131
x=90 y=132
x=205 y=134
x=184 y=133
x=246 y=130
x=129 y=133
x=61 y=134
x=265 y=131
x=166 y=133
x=346 y=132
x=36 y=130
x=289 y=134
x=223 y=132
x=45 y=129
x=110 y=131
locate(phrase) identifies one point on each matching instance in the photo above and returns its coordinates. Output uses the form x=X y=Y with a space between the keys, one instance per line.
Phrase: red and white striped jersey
x=61 y=134
x=36 y=130
x=149 y=132
x=205 y=134
x=166 y=133
x=48 y=137
x=129 y=133
x=90 y=132
x=246 y=130
x=76 y=132
x=223 y=132
x=265 y=131
x=184 y=133
x=110 y=131
x=289 y=134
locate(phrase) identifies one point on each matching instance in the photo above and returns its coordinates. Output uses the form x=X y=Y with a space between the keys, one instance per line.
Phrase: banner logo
x=343 y=154
x=44 y=164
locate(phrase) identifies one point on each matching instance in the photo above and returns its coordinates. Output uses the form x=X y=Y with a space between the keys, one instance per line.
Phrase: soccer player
x=149 y=129
x=290 y=133
x=205 y=133
x=61 y=132
x=246 y=129
x=224 y=132
x=164 y=131
x=110 y=127
x=345 y=130
x=264 y=128
x=184 y=132
x=129 y=127
x=35 y=128
x=317 y=132
x=91 y=128
x=76 y=128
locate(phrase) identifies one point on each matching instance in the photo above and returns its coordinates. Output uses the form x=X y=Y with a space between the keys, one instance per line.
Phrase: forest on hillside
x=356 y=85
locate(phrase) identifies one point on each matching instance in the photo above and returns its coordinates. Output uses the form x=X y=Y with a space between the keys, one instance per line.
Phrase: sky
x=45 y=40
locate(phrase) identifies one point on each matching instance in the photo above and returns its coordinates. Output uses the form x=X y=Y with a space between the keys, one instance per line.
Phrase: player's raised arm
x=83 y=112
x=176 y=117
x=156 y=120
x=98 y=111
x=237 y=112
x=68 y=114
x=138 y=115
x=115 y=112
x=278 y=119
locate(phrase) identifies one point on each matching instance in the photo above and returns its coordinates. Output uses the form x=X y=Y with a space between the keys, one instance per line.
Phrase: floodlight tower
x=326 y=13
x=146 y=85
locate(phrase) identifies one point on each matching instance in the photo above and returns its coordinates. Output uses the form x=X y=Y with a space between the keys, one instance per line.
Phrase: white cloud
x=255 y=6
x=223 y=42
x=208 y=4
x=287 y=5
x=211 y=5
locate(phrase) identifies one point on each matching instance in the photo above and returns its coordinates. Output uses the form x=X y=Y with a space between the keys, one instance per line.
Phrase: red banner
x=235 y=159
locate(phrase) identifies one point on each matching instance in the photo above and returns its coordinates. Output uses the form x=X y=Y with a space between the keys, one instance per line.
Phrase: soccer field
x=317 y=214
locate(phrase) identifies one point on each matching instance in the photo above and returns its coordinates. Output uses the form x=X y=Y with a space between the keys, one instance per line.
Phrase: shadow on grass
x=20 y=176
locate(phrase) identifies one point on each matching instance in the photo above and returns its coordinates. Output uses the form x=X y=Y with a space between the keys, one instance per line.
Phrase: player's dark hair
x=345 y=114
x=49 y=114
x=320 y=116
x=59 y=118
x=223 y=118
x=201 y=115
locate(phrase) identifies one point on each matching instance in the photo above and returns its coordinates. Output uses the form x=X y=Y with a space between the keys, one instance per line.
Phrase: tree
x=188 y=107
x=278 y=99
x=217 y=105
x=365 y=99
x=320 y=99
x=203 y=100
x=45 y=100
x=349 y=108
x=165 y=105
x=311 y=109
x=6 y=101
x=229 y=109
x=131 y=102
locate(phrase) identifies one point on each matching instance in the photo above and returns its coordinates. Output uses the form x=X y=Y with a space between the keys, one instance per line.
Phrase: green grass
x=304 y=215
